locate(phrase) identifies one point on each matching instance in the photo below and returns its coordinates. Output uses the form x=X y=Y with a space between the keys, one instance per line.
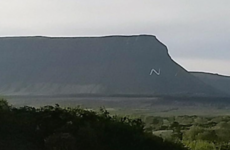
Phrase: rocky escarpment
x=136 y=65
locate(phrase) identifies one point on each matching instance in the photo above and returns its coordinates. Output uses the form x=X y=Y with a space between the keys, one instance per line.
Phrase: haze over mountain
x=130 y=65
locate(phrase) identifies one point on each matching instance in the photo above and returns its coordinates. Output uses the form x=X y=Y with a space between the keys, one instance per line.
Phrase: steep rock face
x=221 y=83
x=93 y=65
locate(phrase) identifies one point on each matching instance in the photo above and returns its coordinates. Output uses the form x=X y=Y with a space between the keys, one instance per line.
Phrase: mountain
x=112 y=65
x=220 y=82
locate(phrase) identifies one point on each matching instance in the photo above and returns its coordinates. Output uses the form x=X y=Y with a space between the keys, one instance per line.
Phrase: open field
x=133 y=105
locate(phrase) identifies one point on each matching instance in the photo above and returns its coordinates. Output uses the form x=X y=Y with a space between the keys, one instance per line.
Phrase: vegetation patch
x=57 y=128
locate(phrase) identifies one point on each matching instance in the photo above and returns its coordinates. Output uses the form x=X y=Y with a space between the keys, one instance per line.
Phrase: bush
x=53 y=127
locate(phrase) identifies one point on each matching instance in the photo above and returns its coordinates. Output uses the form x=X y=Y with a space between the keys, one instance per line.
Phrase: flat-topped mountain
x=136 y=65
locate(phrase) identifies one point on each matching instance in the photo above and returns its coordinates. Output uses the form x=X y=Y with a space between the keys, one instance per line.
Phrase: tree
x=4 y=105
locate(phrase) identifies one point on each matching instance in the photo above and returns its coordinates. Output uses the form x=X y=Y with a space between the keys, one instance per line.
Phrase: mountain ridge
x=217 y=81
x=110 y=65
x=210 y=73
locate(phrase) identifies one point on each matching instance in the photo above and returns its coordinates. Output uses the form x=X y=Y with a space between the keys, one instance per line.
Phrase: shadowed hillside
x=219 y=82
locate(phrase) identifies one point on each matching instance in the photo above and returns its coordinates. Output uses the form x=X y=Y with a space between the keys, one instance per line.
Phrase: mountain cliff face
x=93 y=65
x=221 y=83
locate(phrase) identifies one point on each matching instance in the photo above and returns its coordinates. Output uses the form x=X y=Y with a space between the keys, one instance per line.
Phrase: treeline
x=56 y=128
x=196 y=132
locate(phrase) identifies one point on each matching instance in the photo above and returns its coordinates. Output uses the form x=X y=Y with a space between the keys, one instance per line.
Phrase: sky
x=196 y=32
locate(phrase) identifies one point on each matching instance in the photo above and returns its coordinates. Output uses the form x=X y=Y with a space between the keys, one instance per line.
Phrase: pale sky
x=196 y=32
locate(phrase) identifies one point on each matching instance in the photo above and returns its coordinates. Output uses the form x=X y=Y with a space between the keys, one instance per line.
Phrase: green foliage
x=196 y=132
x=200 y=145
x=193 y=132
x=4 y=105
x=56 y=128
